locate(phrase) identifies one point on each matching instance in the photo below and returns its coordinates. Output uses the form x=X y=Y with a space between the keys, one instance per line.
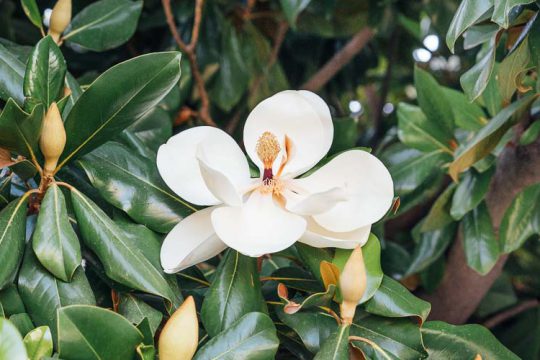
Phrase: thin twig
x=510 y=313
x=189 y=50
x=339 y=60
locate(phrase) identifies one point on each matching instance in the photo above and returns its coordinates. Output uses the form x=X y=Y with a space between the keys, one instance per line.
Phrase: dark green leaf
x=476 y=79
x=38 y=343
x=251 y=337
x=479 y=34
x=22 y=322
x=393 y=300
x=434 y=104
x=122 y=261
x=450 y=342
x=468 y=13
x=415 y=130
x=12 y=238
x=155 y=128
x=312 y=258
x=11 y=344
x=54 y=241
x=292 y=8
x=78 y=338
x=11 y=301
x=136 y=310
x=336 y=347
x=132 y=183
x=104 y=24
x=312 y=327
x=487 y=139
x=11 y=76
x=43 y=294
x=45 y=74
x=119 y=97
x=439 y=214
x=235 y=291
x=32 y=11
x=521 y=220
x=531 y=134
x=470 y=191
x=19 y=131
x=467 y=115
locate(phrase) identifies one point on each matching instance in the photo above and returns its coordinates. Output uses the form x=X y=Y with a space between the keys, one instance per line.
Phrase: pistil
x=268 y=149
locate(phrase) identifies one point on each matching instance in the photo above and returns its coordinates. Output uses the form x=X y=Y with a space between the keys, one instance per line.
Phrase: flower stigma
x=268 y=149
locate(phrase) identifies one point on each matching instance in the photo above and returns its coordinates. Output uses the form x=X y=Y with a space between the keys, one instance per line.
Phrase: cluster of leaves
x=80 y=274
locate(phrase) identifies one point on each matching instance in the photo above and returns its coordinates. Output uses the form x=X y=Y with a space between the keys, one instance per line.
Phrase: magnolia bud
x=60 y=19
x=352 y=284
x=180 y=335
x=53 y=139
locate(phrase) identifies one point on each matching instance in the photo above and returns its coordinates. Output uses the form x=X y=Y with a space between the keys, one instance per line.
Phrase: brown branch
x=339 y=60
x=189 y=50
x=510 y=313
x=462 y=288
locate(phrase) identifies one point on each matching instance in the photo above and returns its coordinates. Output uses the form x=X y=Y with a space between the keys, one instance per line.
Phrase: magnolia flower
x=285 y=136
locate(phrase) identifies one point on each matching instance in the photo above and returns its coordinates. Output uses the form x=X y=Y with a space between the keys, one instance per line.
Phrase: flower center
x=268 y=149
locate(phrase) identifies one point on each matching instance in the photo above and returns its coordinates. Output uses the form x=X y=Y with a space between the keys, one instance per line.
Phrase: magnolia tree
x=165 y=194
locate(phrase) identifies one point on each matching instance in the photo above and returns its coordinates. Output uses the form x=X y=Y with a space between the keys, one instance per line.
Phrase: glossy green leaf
x=297 y=278
x=252 y=336
x=336 y=347
x=154 y=129
x=492 y=96
x=39 y=343
x=11 y=342
x=104 y=24
x=439 y=214
x=313 y=328
x=467 y=115
x=136 y=310
x=470 y=191
x=534 y=42
x=292 y=8
x=122 y=261
x=431 y=245
x=78 y=338
x=19 y=131
x=22 y=322
x=397 y=338
x=476 y=79
x=312 y=258
x=12 y=238
x=43 y=293
x=31 y=10
x=45 y=74
x=451 y=342
x=415 y=130
x=521 y=220
x=487 y=138
x=503 y=8
x=131 y=182
x=479 y=34
x=531 y=134
x=123 y=94
x=11 y=300
x=235 y=291
x=54 y=241
x=511 y=70
x=500 y=296
x=468 y=13
x=435 y=106
x=11 y=76
x=24 y=169
x=394 y=300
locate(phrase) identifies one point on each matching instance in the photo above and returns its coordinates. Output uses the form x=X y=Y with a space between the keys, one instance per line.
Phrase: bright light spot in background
x=438 y=63
x=47 y=17
x=410 y=91
x=454 y=63
x=421 y=55
x=355 y=107
x=388 y=108
x=431 y=42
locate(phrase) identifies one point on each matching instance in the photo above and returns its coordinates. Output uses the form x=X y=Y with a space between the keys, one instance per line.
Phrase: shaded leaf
x=511 y=69
x=467 y=115
x=292 y=8
x=439 y=214
x=12 y=238
x=470 y=191
x=11 y=76
x=136 y=310
x=336 y=347
x=104 y=24
x=503 y=8
x=32 y=12
x=235 y=291
x=434 y=104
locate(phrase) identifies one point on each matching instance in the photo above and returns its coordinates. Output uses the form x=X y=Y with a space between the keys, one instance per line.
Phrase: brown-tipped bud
x=60 y=19
x=352 y=284
x=180 y=335
x=53 y=139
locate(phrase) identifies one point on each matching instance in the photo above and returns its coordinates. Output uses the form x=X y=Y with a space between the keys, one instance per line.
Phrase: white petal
x=259 y=227
x=368 y=187
x=312 y=204
x=179 y=167
x=294 y=114
x=190 y=242
x=319 y=237
x=324 y=115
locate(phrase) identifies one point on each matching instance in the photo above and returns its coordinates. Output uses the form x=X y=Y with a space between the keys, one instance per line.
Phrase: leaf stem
x=372 y=344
